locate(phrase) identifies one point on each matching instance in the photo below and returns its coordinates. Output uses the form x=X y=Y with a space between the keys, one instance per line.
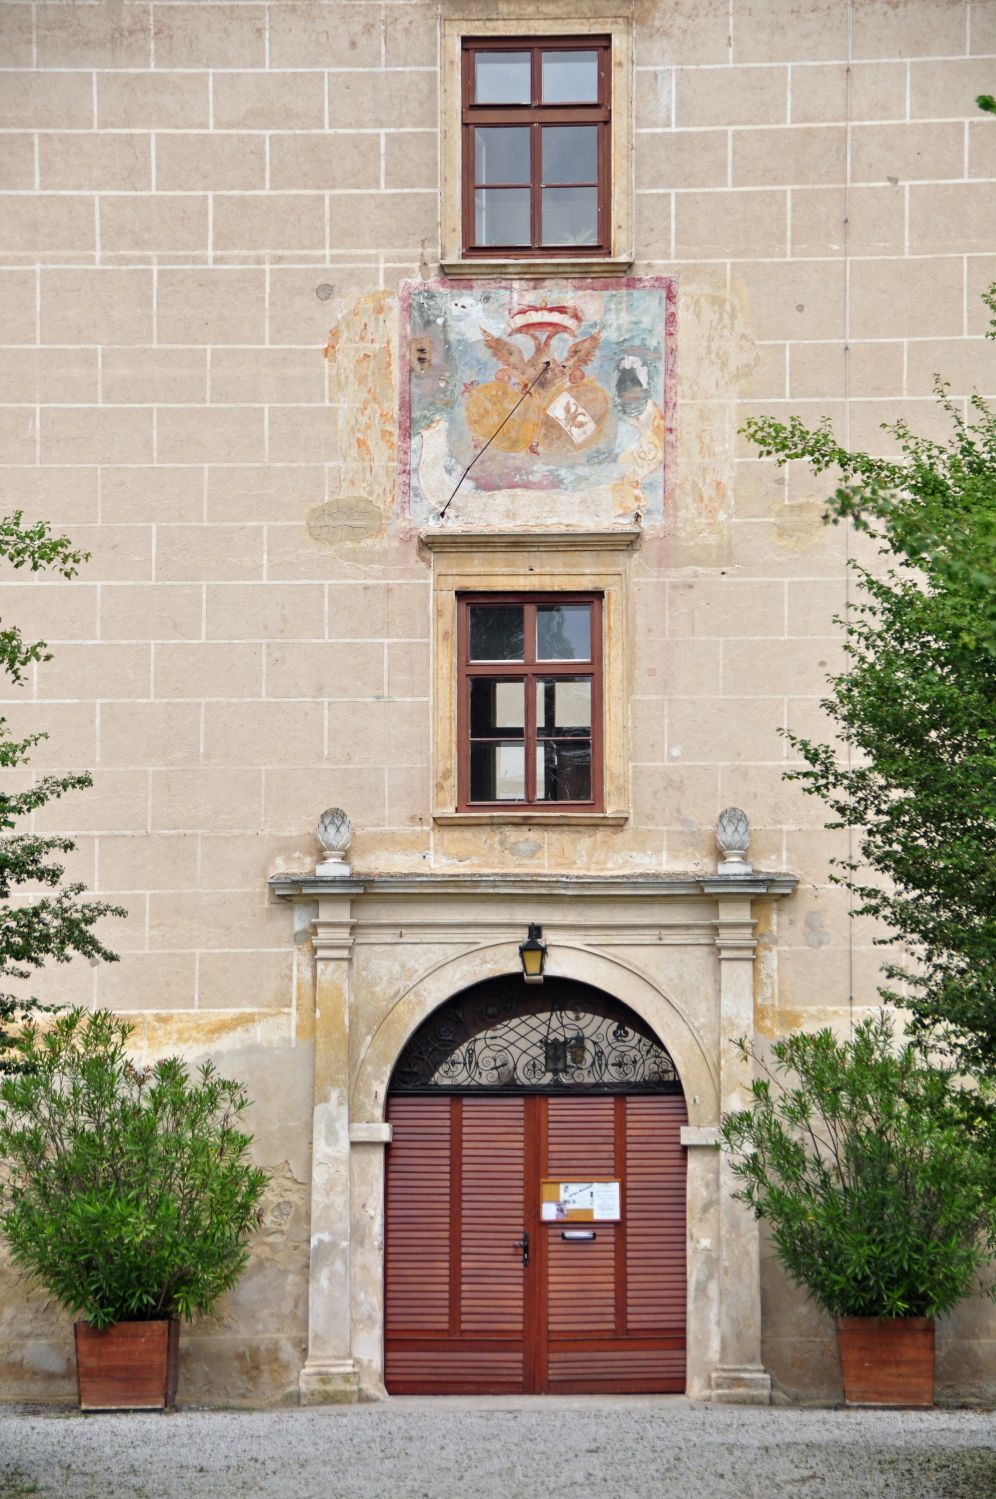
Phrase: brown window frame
x=535 y=115
x=529 y=670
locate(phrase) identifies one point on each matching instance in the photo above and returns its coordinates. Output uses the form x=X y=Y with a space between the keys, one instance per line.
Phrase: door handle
x=523 y=1244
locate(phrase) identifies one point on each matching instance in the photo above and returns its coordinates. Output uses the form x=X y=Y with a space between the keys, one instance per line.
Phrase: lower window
x=529 y=718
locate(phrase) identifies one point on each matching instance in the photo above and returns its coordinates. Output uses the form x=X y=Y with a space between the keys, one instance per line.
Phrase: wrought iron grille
x=566 y=1038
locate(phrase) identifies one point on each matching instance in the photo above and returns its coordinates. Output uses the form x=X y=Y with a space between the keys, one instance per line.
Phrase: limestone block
x=408 y=668
x=136 y=226
x=17 y=306
x=152 y=861
x=296 y=315
x=793 y=667
x=716 y=607
x=150 y=376
x=17 y=161
x=797 y=300
x=46 y=228
x=269 y=101
x=209 y=162
x=44 y=612
x=65 y=496
x=107 y=671
x=237 y=492
x=18 y=38
x=967 y=363
x=408 y=794
x=316 y=672
x=18 y=435
x=290 y=798
x=245 y=980
x=390 y=732
x=65 y=103
x=706 y=224
x=117 y=802
x=878 y=92
x=224 y=552
x=275 y=611
x=411 y=158
x=95 y=435
x=205 y=669
x=215 y=434
x=71 y=729
x=731 y=96
x=769 y=158
x=359 y=101
x=263 y=733
x=768 y=31
x=681 y=158
x=90 y=306
x=399 y=219
x=86 y=161
x=150 y=101
x=882 y=29
x=325 y=161
x=410 y=39
x=263 y=225
x=95 y=36
x=951 y=217
x=670 y=33
x=734 y=728
x=216 y=920
x=217 y=306
x=208 y=36
x=293 y=430
x=307 y=32
x=151 y=734
x=185 y=800
x=892 y=298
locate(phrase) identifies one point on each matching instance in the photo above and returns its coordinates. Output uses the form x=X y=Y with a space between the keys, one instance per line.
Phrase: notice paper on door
x=580 y=1202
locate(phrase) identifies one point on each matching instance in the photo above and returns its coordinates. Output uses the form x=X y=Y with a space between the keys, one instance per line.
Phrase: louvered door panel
x=417 y=1242
x=492 y=1216
x=580 y=1138
x=655 y=1216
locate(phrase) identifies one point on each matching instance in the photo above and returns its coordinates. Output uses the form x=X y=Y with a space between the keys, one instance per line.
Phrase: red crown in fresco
x=541 y=318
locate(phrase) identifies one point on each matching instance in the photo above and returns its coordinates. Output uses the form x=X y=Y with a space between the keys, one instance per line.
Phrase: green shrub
x=127 y=1191
x=869 y=1172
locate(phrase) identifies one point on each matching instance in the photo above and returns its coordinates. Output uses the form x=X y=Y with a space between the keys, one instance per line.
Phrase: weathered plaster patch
x=360 y=353
x=799 y=527
x=349 y=518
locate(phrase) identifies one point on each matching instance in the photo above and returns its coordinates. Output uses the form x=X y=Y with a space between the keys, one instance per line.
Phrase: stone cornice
x=308 y=886
x=618 y=539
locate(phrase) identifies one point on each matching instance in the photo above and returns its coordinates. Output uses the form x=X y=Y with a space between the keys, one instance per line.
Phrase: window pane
x=570 y=216
x=501 y=154
x=563 y=708
x=501 y=215
x=563 y=770
x=496 y=632
x=570 y=77
x=502 y=78
x=497 y=772
x=563 y=632
x=570 y=153
x=496 y=709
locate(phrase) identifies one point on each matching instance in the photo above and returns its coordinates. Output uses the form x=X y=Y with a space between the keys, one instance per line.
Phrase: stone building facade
x=243 y=365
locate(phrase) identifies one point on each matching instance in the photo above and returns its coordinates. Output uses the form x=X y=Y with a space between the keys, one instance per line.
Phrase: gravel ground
x=495 y=1448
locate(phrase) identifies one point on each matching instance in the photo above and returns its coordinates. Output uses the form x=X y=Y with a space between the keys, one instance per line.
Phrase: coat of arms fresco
x=554 y=398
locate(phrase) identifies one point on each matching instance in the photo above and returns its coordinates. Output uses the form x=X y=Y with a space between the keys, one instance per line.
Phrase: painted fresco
x=552 y=398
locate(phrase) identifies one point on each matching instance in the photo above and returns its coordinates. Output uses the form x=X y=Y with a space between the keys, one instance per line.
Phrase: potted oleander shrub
x=127 y=1192
x=870 y=1166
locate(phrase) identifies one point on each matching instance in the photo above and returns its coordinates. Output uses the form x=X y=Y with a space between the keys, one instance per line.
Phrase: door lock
x=523 y=1244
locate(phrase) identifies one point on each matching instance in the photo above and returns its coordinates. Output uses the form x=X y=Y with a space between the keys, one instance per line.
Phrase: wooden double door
x=484 y=1296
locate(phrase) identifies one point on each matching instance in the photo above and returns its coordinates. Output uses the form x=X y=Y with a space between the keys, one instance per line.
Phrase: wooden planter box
x=130 y=1366
x=887 y=1362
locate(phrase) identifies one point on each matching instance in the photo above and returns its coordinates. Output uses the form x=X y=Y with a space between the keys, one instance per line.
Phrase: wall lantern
x=532 y=952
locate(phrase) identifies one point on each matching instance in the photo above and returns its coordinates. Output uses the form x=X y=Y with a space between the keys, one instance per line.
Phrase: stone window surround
x=530 y=562
x=547 y=18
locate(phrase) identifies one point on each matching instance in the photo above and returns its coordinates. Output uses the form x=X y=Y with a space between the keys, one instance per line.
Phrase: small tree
x=127 y=1191
x=57 y=925
x=880 y=1202
x=918 y=705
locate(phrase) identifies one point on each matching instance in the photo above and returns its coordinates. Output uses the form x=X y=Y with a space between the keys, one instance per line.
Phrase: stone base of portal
x=329 y=1383
x=740 y=1384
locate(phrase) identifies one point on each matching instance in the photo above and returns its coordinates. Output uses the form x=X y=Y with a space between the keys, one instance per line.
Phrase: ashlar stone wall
x=206 y=213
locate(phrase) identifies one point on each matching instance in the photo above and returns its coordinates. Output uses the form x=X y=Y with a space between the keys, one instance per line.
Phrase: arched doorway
x=535 y=1213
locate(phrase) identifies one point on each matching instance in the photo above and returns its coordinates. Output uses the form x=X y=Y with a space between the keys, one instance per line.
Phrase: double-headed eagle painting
x=539 y=395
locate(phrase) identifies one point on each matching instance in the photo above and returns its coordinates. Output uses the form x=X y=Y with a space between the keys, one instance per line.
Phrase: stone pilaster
x=740 y=1377
x=329 y=1375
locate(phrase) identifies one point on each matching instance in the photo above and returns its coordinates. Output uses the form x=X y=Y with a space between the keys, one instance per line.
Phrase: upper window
x=536 y=148
x=529 y=717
